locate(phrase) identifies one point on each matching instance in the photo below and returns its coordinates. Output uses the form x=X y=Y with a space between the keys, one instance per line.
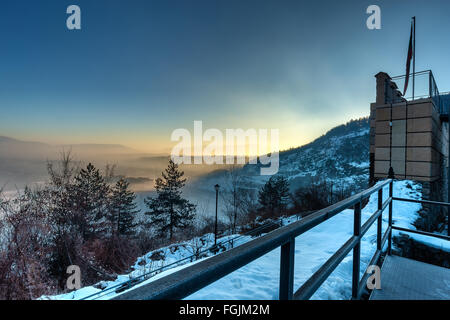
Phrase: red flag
x=408 y=61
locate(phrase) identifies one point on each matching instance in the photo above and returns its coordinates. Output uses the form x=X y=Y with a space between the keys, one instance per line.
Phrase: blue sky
x=140 y=69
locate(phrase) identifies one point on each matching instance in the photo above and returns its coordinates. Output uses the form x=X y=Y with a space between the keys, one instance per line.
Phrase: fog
x=25 y=163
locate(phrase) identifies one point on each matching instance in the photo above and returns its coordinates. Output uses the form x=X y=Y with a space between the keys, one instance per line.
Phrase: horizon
x=162 y=154
x=135 y=73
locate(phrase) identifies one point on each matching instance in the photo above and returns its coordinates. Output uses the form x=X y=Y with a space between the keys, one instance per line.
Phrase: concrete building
x=410 y=135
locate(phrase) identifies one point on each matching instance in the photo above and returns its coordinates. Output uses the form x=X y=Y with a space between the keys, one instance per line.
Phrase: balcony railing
x=182 y=283
x=422 y=85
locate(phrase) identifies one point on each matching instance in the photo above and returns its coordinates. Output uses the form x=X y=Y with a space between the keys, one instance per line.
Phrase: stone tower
x=410 y=136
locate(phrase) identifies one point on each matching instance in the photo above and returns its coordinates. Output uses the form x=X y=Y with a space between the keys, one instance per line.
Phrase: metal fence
x=182 y=283
x=221 y=246
x=428 y=202
x=445 y=103
x=424 y=87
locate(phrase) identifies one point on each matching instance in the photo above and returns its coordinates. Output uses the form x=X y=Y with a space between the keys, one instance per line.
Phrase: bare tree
x=195 y=246
x=110 y=173
x=24 y=256
x=237 y=199
x=61 y=172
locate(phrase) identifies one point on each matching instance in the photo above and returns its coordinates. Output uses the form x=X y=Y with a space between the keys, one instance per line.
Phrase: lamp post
x=215 y=225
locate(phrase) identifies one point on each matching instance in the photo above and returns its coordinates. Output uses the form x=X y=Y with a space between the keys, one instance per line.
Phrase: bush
x=115 y=255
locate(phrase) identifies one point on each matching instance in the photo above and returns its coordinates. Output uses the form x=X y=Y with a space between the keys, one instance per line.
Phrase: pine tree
x=282 y=187
x=59 y=193
x=169 y=211
x=90 y=201
x=266 y=197
x=274 y=195
x=123 y=209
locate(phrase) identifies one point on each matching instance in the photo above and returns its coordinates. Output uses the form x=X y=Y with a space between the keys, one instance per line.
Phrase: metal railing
x=214 y=249
x=435 y=203
x=182 y=283
x=445 y=103
x=425 y=87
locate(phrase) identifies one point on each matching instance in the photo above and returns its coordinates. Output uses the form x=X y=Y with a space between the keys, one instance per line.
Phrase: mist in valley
x=24 y=163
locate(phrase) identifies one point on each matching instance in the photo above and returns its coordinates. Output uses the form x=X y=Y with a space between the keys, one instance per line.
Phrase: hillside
x=340 y=156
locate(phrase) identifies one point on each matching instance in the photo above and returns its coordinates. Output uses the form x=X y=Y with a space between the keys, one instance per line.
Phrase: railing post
x=430 y=79
x=287 y=270
x=391 y=187
x=380 y=219
x=356 y=250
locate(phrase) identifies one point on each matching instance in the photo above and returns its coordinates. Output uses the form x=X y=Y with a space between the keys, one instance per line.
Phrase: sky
x=139 y=69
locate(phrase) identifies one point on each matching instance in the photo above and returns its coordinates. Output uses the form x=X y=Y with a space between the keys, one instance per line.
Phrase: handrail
x=436 y=203
x=182 y=283
x=432 y=90
x=411 y=74
x=314 y=282
x=146 y=275
x=424 y=233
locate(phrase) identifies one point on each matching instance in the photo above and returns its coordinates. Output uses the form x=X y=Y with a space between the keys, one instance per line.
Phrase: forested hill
x=341 y=155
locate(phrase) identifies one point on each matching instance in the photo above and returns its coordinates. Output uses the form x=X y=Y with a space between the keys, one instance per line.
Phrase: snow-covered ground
x=259 y=279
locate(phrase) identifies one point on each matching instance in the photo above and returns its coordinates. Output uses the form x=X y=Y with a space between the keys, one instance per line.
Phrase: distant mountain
x=24 y=162
x=4 y=139
x=86 y=150
x=340 y=156
x=32 y=150
x=17 y=149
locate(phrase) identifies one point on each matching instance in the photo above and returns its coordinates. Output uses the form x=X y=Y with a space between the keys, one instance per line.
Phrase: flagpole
x=414 y=56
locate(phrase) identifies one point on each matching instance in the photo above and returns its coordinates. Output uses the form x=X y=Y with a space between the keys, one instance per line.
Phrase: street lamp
x=215 y=225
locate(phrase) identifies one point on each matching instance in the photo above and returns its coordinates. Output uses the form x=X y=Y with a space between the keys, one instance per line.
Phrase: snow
x=364 y=164
x=74 y=295
x=163 y=260
x=260 y=278
x=429 y=241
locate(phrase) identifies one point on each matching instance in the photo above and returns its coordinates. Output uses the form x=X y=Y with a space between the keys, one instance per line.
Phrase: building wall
x=406 y=135
x=410 y=137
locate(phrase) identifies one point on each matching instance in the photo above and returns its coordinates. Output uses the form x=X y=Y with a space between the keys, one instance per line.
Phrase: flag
x=408 y=60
